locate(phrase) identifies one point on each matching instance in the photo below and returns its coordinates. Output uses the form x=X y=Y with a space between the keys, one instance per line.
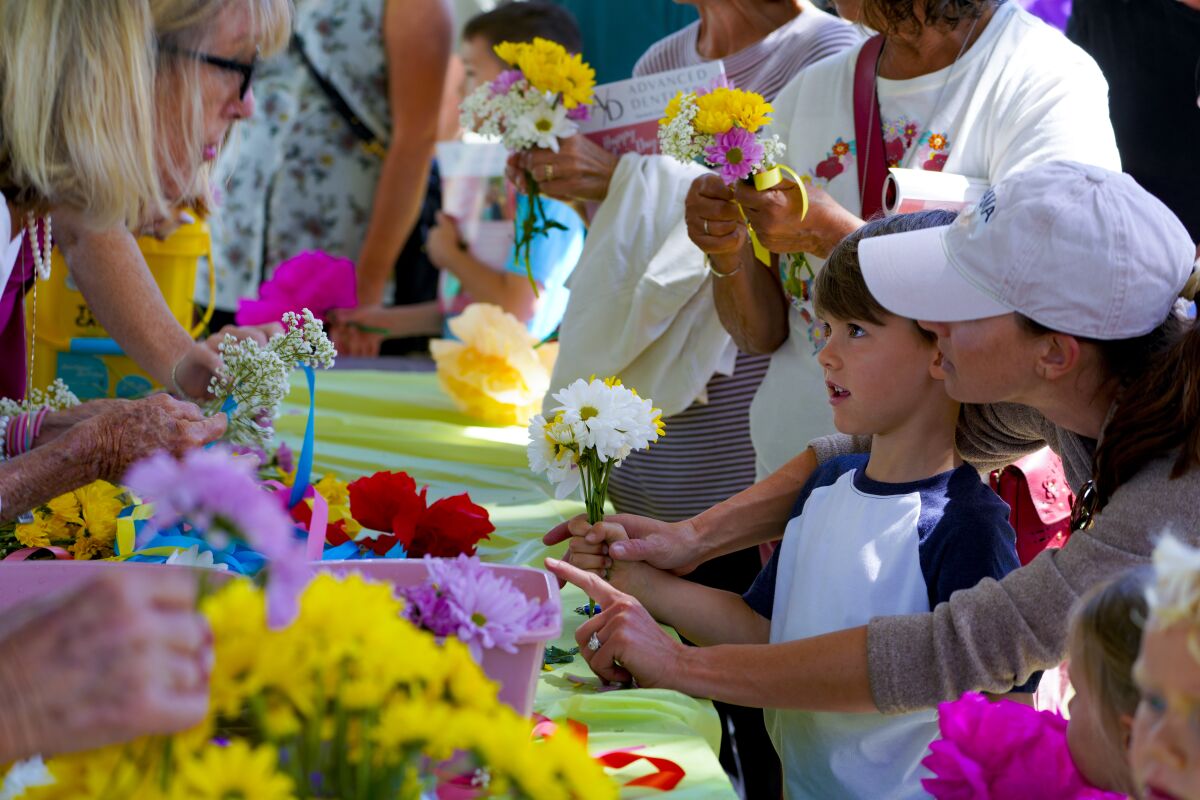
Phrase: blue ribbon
x=304 y=465
x=350 y=551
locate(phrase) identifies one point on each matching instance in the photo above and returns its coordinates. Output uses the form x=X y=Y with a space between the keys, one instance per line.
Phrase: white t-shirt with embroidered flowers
x=1021 y=95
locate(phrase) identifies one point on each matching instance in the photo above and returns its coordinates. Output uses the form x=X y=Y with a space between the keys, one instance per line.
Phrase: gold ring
x=548 y=173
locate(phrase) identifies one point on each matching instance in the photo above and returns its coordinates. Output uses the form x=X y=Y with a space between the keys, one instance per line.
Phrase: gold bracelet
x=715 y=273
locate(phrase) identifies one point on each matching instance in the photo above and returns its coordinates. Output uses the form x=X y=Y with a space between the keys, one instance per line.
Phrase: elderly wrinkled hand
x=714 y=223
x=628 y=643
x=122 y=657
x=194 y=372
x=776 y=215
x=580 y=170
x=130 y=430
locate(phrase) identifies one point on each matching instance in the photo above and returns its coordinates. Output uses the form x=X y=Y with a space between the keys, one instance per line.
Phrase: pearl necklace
x=42 y=250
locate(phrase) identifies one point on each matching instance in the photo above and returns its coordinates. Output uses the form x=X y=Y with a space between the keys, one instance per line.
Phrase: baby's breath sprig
x=256 y=377
x=54 y=397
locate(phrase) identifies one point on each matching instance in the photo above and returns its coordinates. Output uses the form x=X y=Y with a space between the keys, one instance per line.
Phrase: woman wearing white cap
x=1055 y=302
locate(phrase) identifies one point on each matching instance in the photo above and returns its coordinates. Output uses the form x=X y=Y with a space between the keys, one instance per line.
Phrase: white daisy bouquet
x=595 y=427
x=254 y=379
x=534 y=104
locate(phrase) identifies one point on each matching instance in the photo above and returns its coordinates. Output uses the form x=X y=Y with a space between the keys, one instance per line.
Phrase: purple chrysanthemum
x=737 y=152
x=505 y=80
x=481 y=608
x=218 y=495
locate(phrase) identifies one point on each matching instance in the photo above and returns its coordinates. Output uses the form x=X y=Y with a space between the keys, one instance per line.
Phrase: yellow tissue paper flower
x=493 y=372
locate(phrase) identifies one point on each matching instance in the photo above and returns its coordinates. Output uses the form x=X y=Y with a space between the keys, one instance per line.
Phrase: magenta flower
x=737 y=152
x=219 y=496
x=313 y=279
x=579 y=113
x=505 y=81
x=476 y=605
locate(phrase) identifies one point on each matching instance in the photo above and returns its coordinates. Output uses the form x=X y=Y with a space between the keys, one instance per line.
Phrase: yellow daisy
x=234 y=772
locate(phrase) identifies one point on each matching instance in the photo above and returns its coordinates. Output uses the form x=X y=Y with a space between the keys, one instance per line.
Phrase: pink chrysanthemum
x=505 y=80
x=737 y=152
x=464 y=599
x=220 y=497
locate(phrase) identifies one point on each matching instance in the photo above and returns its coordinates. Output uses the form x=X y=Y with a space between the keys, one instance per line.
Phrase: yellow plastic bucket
x=66 y=341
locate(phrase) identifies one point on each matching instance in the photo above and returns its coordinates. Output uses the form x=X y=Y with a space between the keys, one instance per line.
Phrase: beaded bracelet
x=4 y=437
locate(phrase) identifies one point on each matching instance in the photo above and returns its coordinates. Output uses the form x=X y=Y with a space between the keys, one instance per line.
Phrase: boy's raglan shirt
x=856 y=549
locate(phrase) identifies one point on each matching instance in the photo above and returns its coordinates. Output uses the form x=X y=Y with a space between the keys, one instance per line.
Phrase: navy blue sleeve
x=761 y=594
x=968 y=541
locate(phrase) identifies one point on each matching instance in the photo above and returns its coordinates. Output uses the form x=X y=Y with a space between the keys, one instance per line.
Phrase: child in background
x=894 y=532
x=1015 y=751
x=553 y=256
x=1166 y=727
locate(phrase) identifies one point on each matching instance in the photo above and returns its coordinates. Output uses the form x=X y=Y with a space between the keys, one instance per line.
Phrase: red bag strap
x=868 y=128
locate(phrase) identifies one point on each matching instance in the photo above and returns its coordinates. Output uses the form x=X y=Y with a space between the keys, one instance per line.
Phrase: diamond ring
x=706 y=228
x=593 y=642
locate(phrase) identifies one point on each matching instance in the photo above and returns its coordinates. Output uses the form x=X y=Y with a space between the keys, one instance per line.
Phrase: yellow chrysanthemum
x=493 y=372
x=550 y=68
x=99 y=504
x=672 y=109
x=234 y=772
x=721 y=109
x=64 y=510
x=337 y=496
x=36 y=533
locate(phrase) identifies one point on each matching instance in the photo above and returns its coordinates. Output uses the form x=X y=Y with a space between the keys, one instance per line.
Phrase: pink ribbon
x=23 y=555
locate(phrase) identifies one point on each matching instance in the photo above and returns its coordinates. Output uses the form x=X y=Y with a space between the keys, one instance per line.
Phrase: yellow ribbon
x=762 y=182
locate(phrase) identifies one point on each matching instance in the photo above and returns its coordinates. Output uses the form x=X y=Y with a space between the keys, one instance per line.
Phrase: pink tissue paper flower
x=312 y=279
x=991 y=751
x=737 y=152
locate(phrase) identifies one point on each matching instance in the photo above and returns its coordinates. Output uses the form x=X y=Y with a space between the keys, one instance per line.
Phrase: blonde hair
x=1106 y=633
x=82 y=87
x=1174 y=597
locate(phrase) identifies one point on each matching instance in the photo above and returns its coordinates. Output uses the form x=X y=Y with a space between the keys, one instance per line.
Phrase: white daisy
x=544 y=125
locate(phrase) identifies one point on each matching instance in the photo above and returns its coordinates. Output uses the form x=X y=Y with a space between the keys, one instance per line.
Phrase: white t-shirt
x=1021 y=95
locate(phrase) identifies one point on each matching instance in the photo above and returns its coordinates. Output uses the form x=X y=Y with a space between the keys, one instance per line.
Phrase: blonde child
x=1017 y=752
x=1166 y=728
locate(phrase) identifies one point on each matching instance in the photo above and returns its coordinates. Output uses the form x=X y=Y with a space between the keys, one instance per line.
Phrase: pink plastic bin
x=517 y=673
x=22 y=581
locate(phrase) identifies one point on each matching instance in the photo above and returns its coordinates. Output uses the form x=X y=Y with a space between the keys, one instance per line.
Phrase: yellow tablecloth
x=368 y=421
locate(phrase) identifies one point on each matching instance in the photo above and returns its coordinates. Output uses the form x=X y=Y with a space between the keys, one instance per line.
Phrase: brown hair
x=1158 y=406
x=525 y=21
x=893 y=16
x=839 y=289
x=1106 y=632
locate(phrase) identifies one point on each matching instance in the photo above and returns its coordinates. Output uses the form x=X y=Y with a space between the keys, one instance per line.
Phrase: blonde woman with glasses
x=109 y=114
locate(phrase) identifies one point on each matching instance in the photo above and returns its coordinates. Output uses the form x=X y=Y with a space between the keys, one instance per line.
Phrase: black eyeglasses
x=1084 y=510
x=243 y=68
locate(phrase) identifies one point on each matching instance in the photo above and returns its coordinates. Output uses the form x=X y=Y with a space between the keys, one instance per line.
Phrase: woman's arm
x=753 y=516
x=417 y=57
x=112 y=274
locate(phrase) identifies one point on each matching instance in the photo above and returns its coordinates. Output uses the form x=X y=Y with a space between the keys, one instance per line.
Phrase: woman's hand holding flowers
x=776 y=216
x=580 y=170
x=714 y=223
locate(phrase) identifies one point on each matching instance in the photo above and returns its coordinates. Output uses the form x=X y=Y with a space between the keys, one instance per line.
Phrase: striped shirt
x=707 y=455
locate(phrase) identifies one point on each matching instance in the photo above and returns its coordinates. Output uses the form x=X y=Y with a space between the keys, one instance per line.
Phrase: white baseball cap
x=1076 y=248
